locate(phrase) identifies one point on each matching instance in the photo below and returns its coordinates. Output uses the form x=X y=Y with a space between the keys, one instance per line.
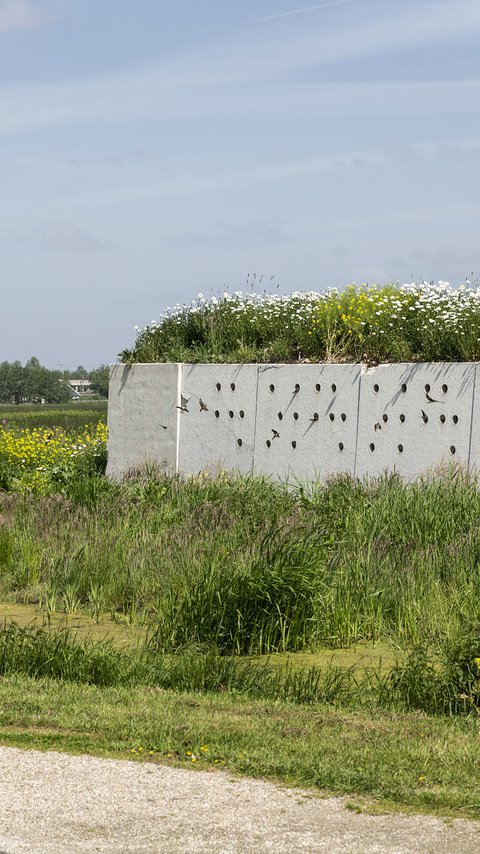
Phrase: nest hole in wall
x=401 y=417
x=241 y=414
x=295 y=416
x=376 y=388
x=341 y=446
x=403 y=387
x=442 y=419
x=217 y=413
x=272 y=387
x=343 y=416
x=332 y=416
x=232 y=386
x=455 y=419
x=444 y=388
x=371 y=446
x=400 y=449
x=218 y=386
x=384 y=417
x=453 y=449
x=231 y=413
x=318 y=387
x=294 y=444
x=333 y=387
x=239 y=443
x=279 y=415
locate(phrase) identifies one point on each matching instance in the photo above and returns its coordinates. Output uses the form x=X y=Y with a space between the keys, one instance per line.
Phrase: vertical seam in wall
x=471 y=418
x=255 y=421
x=358 y=421
x=178 y=411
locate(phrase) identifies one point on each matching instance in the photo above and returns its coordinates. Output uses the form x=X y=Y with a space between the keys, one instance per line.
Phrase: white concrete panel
x=142 y=417
x=474 y=459
x=217 y=419
x=306 y=420
x=414 y=417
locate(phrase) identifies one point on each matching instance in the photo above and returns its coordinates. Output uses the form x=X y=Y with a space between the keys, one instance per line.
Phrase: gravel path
x=52 y=803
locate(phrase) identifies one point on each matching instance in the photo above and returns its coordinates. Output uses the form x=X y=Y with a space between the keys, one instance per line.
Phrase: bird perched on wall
x=377 y=427
x=424 y=414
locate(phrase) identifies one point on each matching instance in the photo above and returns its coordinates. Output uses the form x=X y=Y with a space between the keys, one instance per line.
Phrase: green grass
x=401 y=760
x=325 y=637
x=68 y=416
x=249 y=566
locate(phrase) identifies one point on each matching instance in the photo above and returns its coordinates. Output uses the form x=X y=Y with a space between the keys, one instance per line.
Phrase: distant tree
x=99 y=379
x=31 y=384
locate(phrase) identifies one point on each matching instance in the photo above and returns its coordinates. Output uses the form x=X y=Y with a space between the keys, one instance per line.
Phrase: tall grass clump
x=249 y=566
x=415 y=322
x=261 y=605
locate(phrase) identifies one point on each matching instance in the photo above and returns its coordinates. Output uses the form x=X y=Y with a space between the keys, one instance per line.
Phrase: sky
x=151 y=150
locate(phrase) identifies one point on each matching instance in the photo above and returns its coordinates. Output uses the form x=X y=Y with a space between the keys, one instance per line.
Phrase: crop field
x=69 y=416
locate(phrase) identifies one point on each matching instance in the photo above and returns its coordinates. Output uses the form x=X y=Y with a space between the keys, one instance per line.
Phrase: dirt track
x=51 y=803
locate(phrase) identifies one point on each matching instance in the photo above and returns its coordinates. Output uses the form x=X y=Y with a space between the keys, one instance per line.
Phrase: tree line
x=33 y=383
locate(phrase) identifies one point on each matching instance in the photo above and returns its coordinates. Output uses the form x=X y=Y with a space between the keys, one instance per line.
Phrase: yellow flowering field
x=31 y=459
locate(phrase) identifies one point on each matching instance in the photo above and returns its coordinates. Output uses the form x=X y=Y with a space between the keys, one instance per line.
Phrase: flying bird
x=203 y=406
x=183 y=403
x=276 y=434
x=431 y=399
x=377 y=427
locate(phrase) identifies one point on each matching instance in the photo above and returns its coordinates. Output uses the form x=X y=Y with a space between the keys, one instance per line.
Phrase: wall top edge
x=364 y=366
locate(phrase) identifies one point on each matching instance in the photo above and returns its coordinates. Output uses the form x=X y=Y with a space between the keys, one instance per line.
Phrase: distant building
x=80 y=386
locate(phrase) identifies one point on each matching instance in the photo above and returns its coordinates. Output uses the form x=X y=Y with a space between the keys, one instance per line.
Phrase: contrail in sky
x=301 y=11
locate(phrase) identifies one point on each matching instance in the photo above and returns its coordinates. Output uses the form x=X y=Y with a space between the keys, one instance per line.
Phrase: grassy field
x=68 y=416
x=327 y=637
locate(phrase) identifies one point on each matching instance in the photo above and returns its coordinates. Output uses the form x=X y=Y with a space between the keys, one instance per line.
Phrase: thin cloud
x=19 y=15
x=302 y=11
x=373 y=158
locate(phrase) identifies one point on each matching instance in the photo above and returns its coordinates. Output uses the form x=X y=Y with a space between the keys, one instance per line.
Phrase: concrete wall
x=296 y=422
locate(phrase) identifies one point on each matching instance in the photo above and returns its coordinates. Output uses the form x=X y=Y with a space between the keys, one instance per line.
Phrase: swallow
x=276 y=434
x=182 y=408
x=431 y=399
x=203 y=406
x=424 y=414
x=164 y=426
x=377 y=427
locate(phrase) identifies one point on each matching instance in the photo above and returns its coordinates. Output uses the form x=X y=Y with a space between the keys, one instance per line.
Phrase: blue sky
x=155 y=149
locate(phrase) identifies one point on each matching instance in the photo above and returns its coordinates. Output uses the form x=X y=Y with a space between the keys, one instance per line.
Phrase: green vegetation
x=68 y=416
x=33 y=383
x=327 y=636
x=243 y=566
x=387 y=759
x=410 y=323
